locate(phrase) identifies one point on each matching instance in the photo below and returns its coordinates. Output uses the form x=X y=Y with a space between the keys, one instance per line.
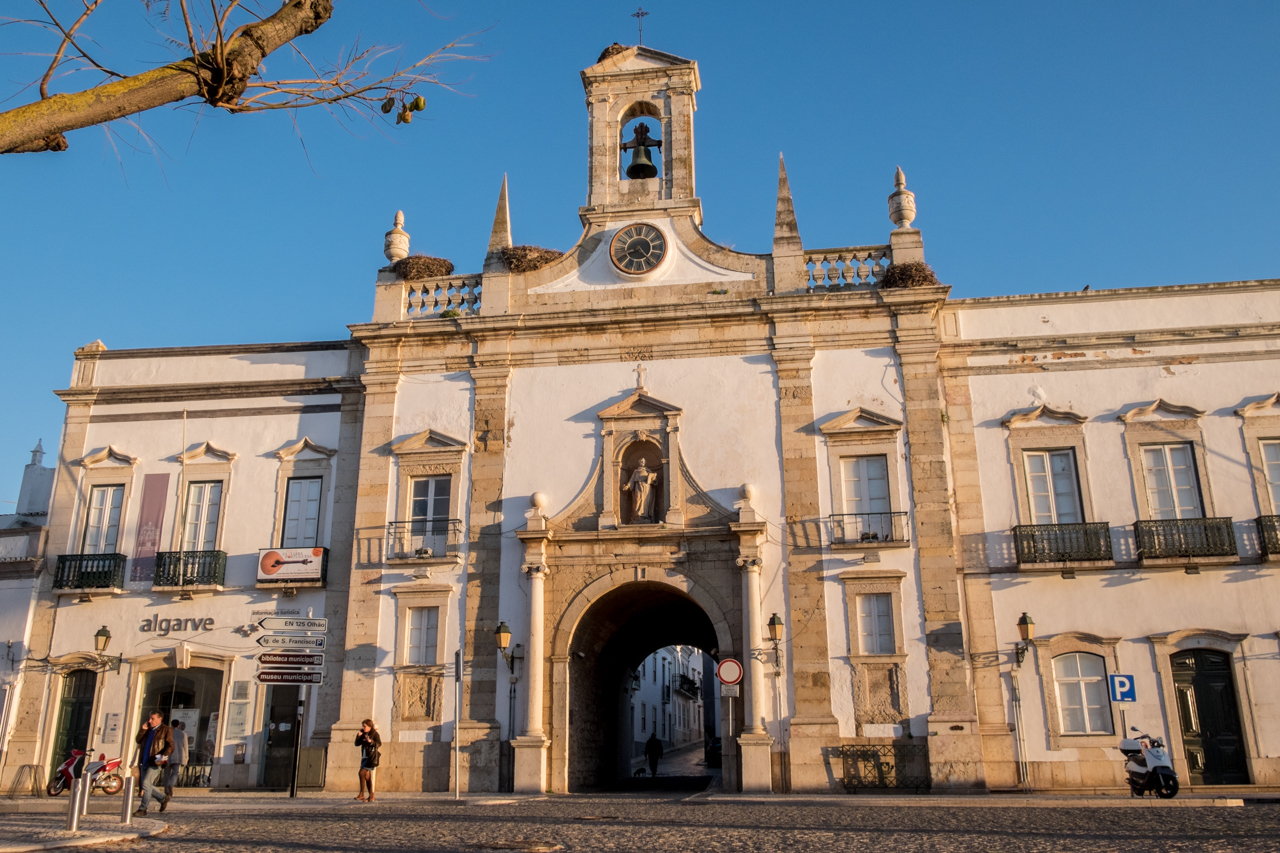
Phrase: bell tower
x=626 y=84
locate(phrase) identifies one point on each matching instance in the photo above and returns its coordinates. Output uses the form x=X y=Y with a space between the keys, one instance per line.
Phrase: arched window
x=1083 y=704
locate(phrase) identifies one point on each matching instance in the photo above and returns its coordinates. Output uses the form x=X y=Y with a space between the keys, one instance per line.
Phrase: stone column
x=754 y=743
x=531 y=747
x=955 y=746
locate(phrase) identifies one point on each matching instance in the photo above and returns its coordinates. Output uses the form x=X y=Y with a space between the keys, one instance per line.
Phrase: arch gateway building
x=653 y=440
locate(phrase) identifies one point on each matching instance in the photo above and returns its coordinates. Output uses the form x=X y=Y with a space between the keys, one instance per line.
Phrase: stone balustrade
x=847 y=267
x=436 y=297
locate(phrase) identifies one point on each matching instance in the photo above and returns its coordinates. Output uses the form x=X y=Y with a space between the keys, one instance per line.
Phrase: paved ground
x=34 y=831
x=673 y=823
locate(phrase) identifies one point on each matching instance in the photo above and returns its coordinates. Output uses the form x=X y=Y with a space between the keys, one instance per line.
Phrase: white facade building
x=652 y=442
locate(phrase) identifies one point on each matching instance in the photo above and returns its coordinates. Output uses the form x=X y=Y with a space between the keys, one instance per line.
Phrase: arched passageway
x=614 y=635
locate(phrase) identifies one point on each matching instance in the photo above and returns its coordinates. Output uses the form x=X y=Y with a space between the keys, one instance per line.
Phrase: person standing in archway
x=653 y=752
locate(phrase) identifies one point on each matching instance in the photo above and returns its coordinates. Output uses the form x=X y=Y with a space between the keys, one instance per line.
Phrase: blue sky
x=1049 y=146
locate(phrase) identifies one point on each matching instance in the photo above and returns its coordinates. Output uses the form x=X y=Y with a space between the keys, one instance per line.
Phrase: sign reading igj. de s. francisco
x=291 y=564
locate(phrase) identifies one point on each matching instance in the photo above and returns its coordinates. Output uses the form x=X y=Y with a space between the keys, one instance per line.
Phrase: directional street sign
x=284 y=623
x=290 y=669
x=289 y=659
x=1122 y=688
x=729 y=671
x=277 y=676
x=729 y=690
x=288 y=641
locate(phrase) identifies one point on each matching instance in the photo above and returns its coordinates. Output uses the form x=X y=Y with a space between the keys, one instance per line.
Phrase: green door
x=75 y=715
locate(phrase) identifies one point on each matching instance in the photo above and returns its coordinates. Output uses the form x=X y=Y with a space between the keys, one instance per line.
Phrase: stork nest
x=612 y=50
x=418 y=267
x=909 y=274
x=529 y=258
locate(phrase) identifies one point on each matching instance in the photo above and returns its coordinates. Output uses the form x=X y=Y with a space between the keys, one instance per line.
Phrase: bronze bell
x=641 y=166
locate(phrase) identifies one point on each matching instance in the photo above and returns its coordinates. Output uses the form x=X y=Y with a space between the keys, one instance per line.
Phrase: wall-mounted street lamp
x=101 y=640
x=502 y=636
x=775 y=636
x=1027 y=631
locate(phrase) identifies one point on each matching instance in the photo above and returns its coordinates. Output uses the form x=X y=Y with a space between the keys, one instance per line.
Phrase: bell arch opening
x=645 y=145
x=614 y=636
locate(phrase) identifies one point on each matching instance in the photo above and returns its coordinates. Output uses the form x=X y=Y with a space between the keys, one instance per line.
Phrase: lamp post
x=775 y=636
x=502 y=636
x=1027 y=631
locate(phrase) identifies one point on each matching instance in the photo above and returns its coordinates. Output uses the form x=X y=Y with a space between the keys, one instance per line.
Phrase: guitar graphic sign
x=291 y=564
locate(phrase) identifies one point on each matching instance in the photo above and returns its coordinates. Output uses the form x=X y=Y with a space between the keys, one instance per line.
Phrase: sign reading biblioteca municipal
x=291 y=564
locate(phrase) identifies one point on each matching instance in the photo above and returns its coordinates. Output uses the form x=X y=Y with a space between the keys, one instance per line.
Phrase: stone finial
x=902 y=202
x=500 y=234
x=539 y=500
x=786 y=232
x=37 y=453
x=396 y=245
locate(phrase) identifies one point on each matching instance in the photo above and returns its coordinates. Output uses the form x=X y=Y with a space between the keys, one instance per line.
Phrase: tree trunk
x=38 y=126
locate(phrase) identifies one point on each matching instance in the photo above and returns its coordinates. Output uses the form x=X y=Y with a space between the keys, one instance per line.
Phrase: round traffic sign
x=729 y=671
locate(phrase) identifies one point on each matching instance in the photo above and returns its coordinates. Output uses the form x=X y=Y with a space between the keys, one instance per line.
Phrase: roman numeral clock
x=638 y=249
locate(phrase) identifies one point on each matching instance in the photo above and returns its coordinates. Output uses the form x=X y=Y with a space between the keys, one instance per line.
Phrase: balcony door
x=1173 y=490
x=429 y=514
x=1053 y=489
x=1271 y=467
x=204 y=508
x=302 y=513
x=102 y=523
x=1211 y=733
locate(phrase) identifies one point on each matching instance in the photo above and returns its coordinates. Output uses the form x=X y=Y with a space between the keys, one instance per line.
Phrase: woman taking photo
x=370 y=742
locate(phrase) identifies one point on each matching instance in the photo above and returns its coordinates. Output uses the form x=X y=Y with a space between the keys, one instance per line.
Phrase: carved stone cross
x=639 y=371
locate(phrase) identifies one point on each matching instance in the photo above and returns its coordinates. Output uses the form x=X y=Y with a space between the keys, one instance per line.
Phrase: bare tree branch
x=68 y=38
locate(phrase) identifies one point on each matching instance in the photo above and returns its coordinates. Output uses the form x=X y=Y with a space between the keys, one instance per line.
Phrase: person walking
x=370 y=743
x=653 y=752
x=155 y=742
x=181 y=754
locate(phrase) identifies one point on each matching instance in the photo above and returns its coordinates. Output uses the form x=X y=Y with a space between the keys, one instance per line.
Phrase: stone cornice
x=1245 y=286
x=1094 y=340
x=119 y=394
x=222 y=349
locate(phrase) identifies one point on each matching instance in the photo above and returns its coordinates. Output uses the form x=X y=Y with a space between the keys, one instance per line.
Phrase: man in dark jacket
x=653 y=752
x=155 y=745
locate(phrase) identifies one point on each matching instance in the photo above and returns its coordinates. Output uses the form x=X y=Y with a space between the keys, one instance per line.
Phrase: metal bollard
x=87 y=786
x=73 y=807
x=126 y=810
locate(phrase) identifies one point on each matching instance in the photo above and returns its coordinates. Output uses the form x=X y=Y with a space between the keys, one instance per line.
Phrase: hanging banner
x=155 y=491
x=280 y=565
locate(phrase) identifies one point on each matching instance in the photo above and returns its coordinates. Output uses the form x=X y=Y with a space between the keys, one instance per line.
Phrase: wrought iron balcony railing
x=869 y=528
x=90 y=571
x=1269 y=535
x=686 y=685
x=190 y=568
x=1185 y=537
x=1063 y=543
x=423 y=537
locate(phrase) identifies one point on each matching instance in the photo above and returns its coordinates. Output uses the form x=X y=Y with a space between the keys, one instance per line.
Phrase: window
x=302 y=513
x=644 y=716
x=655 y=718
x=102 y=525
x=1172 y=491
x=875 y=623
x=423 y=624
x=204 y=506
x=1271 y=469
x=1082 y=694
x=1053 y=490
x=866 y=484
x=655 y=672
x=430 y=498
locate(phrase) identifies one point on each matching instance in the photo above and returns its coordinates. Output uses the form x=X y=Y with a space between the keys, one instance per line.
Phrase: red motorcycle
x=103 y=774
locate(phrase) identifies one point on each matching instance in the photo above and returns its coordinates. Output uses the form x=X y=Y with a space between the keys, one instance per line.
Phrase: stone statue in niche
x=641 y=487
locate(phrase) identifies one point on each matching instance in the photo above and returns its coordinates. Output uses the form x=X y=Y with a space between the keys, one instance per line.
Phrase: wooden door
x=1211 y=733
x=75 y=715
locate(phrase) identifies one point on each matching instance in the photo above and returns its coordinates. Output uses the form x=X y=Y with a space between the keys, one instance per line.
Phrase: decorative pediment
x=107 y=455
x=1042 y=412
x=638 y=405
x=1160 y=407
x=859 y=421
x=427 y=441
x=1260 y=407
x=207 y=452
x=304 y=449
x=637 y=58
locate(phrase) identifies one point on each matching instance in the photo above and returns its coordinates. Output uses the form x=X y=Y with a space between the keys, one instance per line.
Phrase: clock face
x=638 y=249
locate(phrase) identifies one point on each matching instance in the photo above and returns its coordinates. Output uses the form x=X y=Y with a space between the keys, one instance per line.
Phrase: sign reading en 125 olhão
x=287 y=641
x=1122 y=688
x=291 y=564
x=285 y=623
x=284 y=676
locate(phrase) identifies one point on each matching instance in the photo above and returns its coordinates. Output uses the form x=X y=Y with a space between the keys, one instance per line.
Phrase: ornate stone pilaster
x=531 y=747
x=955 y=747
x=754 y=743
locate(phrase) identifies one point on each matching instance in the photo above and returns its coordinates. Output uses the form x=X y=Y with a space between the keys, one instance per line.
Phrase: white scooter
x=1148 y=766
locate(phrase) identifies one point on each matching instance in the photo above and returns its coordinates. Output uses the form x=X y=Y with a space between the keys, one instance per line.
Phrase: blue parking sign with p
x=1122 y=688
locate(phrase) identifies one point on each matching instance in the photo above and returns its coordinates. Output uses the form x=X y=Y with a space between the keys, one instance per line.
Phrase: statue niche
x=642 y=484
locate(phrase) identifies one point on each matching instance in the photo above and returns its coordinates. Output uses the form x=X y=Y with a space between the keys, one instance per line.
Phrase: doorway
x=75 y=715
x=192 y=697
x=1212 y=738
x=613 y=643
x=277 y=754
